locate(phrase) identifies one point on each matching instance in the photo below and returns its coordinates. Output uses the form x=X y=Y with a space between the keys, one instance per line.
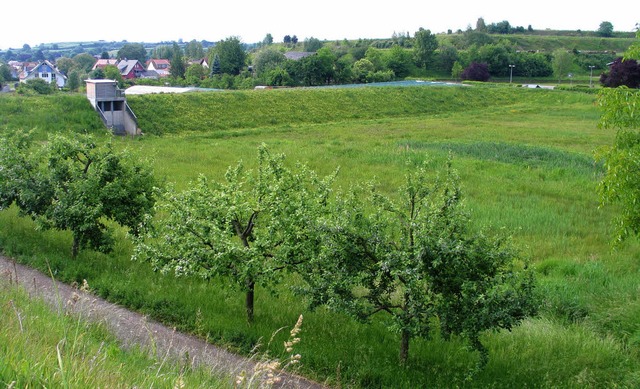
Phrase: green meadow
x=44 y=348
x=527 y=168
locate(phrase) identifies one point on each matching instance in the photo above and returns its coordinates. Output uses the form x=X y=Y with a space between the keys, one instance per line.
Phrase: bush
x=37 y=85
x=621 y=73
x=476 y=72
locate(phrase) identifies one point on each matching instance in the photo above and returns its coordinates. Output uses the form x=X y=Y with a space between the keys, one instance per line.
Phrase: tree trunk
x=74 y=248
x=249 y=300
x=404 y=346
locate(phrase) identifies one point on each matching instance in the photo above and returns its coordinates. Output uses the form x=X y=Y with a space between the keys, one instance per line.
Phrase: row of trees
x=412 y=256
x=232 y=65
x=358 y=62
x=360 y=252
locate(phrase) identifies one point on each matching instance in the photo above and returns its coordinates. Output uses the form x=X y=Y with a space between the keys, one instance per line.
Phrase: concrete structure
x=111 y=103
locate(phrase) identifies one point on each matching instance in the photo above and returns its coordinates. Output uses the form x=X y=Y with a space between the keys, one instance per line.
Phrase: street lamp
x=591 y=76
x=511 y=73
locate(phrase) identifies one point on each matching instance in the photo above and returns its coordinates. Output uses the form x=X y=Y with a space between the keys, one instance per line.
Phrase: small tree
x=97 y=74
x=424 y=46
x=133 y=51
x=250 y=229
x=398 y=60
x=73 y=80
x=417 y=259
x=268 y=40
x=232 y=55
x=476 y=72
x=20 y=180
x=562 y=63
x=312 y=44
x=215 y=66
x=605 y=29
x=112 y=72
x=178 y=67
x=194 y=74
x=77 y=184
x=456 y=70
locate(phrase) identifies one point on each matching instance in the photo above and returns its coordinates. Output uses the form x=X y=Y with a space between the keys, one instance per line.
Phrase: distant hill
x=548 y=41
x=536 y=40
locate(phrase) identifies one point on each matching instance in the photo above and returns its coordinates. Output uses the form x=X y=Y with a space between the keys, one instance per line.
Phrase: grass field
x=40 y=347
x=525 y=158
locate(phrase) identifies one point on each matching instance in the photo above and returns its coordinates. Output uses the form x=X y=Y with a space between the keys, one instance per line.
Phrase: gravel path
x=132 y=328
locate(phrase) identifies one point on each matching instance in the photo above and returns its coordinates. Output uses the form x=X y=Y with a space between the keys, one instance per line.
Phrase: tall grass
x=525 y=160
x=44 y=348
x=211 y=112
x=57 y=113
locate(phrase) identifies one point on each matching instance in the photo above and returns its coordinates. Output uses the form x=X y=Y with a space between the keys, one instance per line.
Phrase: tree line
x=475 y=54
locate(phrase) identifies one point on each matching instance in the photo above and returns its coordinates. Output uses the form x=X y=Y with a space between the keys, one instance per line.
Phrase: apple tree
x=415 y=258
x=250 y=228
x=77 y=182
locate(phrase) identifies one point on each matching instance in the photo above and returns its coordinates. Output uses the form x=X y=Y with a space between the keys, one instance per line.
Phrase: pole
x=591 y=76
x=511 y=73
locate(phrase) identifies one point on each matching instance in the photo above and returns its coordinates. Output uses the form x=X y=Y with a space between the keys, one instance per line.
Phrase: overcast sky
x=41 y=21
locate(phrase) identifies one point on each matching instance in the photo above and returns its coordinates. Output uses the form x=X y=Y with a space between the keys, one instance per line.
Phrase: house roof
x=158 y=63
x=201 y=61
x=126 y=66
x=101 y=63
x=35 y=69
x=298 y=55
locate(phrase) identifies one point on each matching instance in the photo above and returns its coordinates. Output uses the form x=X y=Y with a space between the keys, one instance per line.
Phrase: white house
x=46 y=71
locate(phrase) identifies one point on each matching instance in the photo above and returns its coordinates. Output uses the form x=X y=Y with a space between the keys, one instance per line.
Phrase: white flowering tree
x=251 y=228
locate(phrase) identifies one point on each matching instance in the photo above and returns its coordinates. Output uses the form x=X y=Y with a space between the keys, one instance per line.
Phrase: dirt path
x=135 y=329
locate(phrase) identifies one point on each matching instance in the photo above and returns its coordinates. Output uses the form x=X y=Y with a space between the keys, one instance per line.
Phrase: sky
x=250 y=20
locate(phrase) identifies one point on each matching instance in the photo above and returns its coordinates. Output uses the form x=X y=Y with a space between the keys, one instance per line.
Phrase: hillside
x=221 y=111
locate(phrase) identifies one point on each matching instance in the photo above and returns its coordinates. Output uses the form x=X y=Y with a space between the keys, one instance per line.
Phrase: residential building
x=46 y=71
x=102 y=63
x=130 y=68
x=160 y=66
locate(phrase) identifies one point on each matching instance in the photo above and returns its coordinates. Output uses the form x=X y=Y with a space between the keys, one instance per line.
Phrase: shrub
x=622 y=72
x=476 y=72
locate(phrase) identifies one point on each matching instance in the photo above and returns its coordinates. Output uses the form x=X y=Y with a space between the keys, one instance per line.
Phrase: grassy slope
x=525 y=160
x=43 y=348
x=212 y=112
x=60 y=112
